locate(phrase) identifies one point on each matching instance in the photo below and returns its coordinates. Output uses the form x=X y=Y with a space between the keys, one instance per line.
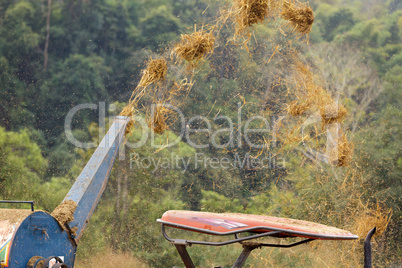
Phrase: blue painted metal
x=40 y=235
x=91 y=183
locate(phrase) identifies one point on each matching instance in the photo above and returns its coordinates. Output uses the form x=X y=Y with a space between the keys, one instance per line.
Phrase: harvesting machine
x=36 y=239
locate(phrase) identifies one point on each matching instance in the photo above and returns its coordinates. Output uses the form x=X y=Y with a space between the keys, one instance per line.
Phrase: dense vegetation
x=55 y=55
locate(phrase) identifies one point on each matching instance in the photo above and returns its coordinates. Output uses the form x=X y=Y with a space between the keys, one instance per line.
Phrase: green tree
x=78 y=80
x=22 y=166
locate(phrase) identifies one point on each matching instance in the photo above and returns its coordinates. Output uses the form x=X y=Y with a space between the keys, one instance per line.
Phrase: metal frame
x=258 y=229
x=19 y=202
x=181 y=244
x=367 y=248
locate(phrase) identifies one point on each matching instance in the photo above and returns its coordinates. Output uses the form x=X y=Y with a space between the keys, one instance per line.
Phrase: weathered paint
x=39 y=234
x=92 y=181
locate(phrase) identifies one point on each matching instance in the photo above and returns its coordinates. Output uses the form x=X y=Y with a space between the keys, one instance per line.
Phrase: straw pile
x=300 y=16
x=193 y=47
x=14 y=216
x=333 y=113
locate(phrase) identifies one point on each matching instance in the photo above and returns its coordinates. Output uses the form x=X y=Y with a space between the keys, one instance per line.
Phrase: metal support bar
x=19 y=202
x=181 y=245
x=367 y=248
x=286 y=245
x=236 y=240
x=241 y=260
x=185 y=256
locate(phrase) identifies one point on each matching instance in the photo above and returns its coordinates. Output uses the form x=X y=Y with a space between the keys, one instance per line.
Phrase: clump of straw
x=300 y=15
x=128 y=111
x=332 y=113
x=155 y=71
x=308 y=87
x=341 y=154
x=370 y=218
x=297 y=108
x=159 y=118
x=193 y=47
x=249 y=12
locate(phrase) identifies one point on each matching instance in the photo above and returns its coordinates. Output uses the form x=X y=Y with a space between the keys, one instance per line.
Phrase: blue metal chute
x=37 y=235
x=91 y=183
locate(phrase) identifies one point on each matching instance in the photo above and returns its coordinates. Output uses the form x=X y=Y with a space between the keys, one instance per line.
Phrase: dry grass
x=333 y=113
x=341 y=155
x=155 y=71
x=110 y=259
x=249 y=12
x=158 y=120
x=307 y=86
x=193 y=47
x=300 y=15
x=299 y=107
x=64 y=213
x=370 y=218
x=312 y=96
x=128 y=111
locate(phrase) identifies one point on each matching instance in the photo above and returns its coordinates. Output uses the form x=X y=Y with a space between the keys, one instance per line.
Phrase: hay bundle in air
x=333 y=113
x=341 y=155
x=193 y=47
x=249 y=12
x=300 y=16
x=155 y=71
x=299 y=107
x=158 y=120
x=128 y=111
